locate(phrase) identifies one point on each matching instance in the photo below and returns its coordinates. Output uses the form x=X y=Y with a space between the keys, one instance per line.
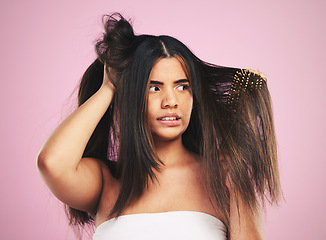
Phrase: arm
x=75 y=181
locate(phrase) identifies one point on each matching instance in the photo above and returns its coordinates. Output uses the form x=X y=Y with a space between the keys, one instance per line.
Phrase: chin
x=167 y=137
x=160 y=138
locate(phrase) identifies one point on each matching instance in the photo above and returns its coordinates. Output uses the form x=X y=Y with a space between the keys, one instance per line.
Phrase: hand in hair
x=108 y=77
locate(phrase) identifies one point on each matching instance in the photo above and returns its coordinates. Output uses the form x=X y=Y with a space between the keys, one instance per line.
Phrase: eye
x=154 y=89
x=183 y=87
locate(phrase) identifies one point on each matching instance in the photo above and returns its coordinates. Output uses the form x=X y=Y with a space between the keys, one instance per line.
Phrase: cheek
x=151 y=108
x=188 y=104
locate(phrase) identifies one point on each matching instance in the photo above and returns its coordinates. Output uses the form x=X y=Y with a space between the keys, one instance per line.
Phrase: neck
x=172 y=152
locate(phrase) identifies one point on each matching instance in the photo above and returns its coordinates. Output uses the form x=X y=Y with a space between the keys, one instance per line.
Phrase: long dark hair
x=231 y=125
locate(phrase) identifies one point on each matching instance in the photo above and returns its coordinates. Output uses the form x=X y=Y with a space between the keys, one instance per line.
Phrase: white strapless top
x=162 y=226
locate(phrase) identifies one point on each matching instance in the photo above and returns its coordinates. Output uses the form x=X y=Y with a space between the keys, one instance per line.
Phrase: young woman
x=164 y=145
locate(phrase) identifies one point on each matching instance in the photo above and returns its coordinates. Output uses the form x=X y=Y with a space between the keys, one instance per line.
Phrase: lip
x=169 y=115
x=170 y=123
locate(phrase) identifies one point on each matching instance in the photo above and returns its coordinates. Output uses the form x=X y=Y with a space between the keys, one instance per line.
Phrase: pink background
x=46 y=45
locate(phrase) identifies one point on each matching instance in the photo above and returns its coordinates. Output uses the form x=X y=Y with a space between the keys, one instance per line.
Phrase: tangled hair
x=231 y=125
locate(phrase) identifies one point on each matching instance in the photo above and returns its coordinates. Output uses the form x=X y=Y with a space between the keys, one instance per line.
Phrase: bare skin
x=74 y=180
x=180 y=186
x=87 y=184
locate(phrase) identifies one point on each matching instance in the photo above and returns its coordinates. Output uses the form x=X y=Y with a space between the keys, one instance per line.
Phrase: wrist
x=105 y=93
x=109 y=89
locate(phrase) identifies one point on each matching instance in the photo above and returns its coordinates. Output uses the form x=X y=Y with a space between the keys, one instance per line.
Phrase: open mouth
x=169 y=118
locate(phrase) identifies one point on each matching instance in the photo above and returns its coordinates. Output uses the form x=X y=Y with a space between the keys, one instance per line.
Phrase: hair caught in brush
x=234 y=134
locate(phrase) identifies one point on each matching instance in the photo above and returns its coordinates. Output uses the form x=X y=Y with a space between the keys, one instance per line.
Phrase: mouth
x=168 y=118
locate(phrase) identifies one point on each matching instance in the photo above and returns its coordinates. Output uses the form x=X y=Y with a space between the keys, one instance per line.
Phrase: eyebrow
x=175 y=82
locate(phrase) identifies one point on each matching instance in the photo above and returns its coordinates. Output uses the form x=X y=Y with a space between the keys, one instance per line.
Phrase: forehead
x=166 y=69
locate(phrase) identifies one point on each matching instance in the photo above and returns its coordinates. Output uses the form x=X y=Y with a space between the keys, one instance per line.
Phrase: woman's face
x=170 y=100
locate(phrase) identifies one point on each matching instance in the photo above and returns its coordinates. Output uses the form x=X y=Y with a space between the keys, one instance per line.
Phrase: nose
x=169 y=100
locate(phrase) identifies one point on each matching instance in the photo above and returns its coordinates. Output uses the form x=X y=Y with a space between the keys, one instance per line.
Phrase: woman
x=164 y=144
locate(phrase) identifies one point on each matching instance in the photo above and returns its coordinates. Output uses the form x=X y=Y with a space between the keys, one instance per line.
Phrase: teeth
x=169 y=118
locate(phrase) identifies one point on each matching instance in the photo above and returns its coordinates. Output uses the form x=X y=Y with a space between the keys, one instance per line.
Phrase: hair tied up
x=117 y=45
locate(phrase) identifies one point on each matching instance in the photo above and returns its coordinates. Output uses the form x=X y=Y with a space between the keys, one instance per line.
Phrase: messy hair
x=231 y=126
